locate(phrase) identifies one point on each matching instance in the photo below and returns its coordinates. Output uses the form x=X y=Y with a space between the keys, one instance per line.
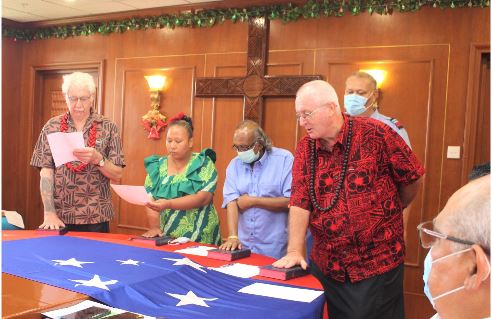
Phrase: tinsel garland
x=313 y=9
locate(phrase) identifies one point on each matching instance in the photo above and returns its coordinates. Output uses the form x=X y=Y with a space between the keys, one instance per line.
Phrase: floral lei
x=91 y=142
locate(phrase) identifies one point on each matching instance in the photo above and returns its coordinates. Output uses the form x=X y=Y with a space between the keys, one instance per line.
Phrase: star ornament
x=95 y=282
x=71 y=262
x=186 y=262
x=129 y=262
x=190 y=299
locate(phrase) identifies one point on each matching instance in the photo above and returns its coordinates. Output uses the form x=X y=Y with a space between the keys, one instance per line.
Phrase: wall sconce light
x=378 y=75
x=154 y=121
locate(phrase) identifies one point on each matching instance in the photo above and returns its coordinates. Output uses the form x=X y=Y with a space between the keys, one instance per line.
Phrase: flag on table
x=147 y=281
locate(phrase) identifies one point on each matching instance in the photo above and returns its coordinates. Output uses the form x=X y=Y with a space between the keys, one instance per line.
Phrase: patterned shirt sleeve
x=405 y=167
x=300 y=177
x=41 y=156
x=115 y=149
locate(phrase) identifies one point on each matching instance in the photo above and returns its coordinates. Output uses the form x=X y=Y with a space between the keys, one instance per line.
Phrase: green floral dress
x=199 y=224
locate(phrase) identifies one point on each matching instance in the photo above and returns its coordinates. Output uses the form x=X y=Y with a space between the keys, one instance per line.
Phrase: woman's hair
x=184 y=121
x=78 y=79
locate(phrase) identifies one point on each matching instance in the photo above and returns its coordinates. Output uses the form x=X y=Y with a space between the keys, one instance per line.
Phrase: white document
x=62 y=146
x=133 y=194
x=195 y=250
x=14 y=218
x=238 y=270
x=282 y=292
x=57 y=314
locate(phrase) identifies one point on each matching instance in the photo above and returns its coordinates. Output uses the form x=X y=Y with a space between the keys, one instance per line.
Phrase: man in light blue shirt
x=257 y=192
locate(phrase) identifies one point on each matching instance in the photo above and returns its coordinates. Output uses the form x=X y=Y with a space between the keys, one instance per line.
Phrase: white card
x=282 y=292
x=238 y=270
x=195 y=250
x=133 y=194
x=62 y=146
x=14 y=218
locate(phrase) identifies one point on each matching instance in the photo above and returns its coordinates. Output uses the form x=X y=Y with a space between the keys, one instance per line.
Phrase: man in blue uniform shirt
x=361 y=99
x=257 y=192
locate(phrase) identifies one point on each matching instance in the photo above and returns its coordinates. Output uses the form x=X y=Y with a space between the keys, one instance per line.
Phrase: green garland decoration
x=289 y=12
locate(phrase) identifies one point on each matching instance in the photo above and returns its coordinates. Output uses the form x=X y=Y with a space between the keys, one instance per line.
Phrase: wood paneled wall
x=426 y=56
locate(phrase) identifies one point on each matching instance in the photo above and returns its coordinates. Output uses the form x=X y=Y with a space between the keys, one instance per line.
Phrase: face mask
x=427 y=270
x=248 y=156
x=355 y=104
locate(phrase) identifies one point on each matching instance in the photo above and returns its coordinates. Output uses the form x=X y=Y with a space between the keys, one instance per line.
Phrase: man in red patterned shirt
x=352 y=177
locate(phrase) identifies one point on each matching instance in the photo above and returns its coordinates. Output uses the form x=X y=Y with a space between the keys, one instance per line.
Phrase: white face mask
x=428 y=262
x=248 y=156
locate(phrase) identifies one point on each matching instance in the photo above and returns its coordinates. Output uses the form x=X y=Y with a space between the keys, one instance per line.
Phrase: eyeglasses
x=243 y=148
x=428 y=236
x=75 y=99
x=307 y=115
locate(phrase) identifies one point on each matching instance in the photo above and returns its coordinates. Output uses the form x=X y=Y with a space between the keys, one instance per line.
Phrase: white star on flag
x=190 y=299
x=95 y=282
x=185 y=261
x=129 y=262
x=71 y=262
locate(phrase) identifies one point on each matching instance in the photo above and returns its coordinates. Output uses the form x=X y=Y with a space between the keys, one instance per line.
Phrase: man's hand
x=231 y=244
x=245 y=202
x=51 y=221
x=290 y=260
x=153 y=232
x=159 y=205
x=87 y=155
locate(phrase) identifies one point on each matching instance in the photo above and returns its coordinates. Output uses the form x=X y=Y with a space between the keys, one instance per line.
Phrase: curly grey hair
x=78 y=79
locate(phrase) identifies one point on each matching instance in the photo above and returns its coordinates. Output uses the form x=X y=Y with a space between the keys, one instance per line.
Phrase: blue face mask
x=248 y=156
x=354 y=104
x=428 y=262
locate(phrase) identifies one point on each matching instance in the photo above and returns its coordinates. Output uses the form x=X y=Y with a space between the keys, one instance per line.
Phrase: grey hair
x=471 y=219
x=364 y=75
x=78 y=79
x=318 y=93
x=259 y=135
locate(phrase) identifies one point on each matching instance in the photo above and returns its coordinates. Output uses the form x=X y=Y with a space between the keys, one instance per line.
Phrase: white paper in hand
x=133 y=194
x=62 y=146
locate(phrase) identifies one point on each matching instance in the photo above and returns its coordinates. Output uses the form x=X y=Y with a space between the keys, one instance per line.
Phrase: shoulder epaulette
x=396 y=122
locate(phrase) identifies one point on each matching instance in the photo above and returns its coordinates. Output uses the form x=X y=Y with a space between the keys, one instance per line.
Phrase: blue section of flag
x=143 y=280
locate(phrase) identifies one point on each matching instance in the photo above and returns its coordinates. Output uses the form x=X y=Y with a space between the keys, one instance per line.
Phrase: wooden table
x=23 y=298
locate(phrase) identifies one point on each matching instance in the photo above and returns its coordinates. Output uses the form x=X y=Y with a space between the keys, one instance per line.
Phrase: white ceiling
x=39 y=10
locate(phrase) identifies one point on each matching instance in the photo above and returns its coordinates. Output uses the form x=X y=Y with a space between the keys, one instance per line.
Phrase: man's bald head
x=467 y=212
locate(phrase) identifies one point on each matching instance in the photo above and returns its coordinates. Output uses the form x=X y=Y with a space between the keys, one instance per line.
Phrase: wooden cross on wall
x=255 y=85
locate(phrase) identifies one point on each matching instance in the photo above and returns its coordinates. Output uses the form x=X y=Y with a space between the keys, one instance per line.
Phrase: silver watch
x=101 y=162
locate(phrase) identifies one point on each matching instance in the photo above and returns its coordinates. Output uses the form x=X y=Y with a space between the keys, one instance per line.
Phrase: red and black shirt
x=362 y=235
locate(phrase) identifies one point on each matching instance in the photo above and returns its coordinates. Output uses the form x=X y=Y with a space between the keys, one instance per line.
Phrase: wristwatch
x=101 y=162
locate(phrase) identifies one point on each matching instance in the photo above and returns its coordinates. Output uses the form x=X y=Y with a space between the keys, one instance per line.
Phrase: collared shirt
x=83 y=197
x=362 y=236
x=262 y=231
x=394 y=124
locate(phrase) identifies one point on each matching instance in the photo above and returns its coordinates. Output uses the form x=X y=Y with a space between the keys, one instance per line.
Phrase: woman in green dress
x=182 y=185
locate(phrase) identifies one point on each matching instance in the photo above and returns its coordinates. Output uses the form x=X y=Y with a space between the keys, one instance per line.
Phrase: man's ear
x=482 y=269
x=376 y=95
x=332 y=107
x=191 y=142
